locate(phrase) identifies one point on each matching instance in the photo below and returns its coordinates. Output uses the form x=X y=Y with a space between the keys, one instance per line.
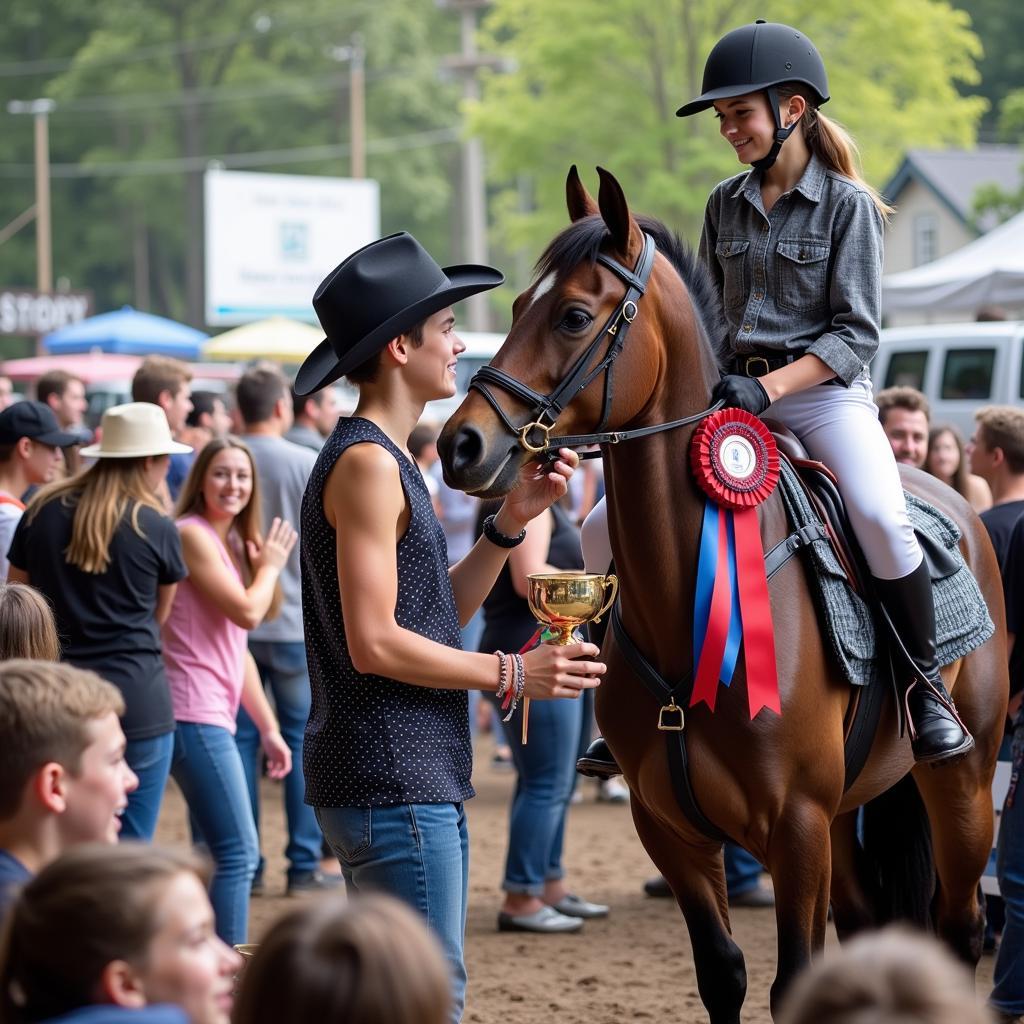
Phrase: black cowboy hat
x=377 y=293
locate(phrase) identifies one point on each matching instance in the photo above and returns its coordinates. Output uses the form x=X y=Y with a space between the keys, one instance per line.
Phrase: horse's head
x=571 y=318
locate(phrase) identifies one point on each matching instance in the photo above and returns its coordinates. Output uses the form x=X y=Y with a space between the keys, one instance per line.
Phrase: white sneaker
x=612 y=791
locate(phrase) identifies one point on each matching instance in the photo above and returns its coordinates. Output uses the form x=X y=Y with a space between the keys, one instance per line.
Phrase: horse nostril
x=467 y=448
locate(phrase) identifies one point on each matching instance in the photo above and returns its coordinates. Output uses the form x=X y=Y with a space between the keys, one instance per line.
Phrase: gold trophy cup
x=565 y=600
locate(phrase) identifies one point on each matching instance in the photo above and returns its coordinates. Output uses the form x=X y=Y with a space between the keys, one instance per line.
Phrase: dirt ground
x=634 y=966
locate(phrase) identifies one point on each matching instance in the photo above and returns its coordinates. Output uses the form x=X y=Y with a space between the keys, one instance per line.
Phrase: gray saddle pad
x=962 y=622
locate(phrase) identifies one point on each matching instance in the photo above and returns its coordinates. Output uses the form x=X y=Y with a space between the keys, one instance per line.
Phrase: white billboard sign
x=272 y=238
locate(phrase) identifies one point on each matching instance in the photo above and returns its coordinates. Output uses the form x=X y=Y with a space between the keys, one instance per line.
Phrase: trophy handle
x=612 y=581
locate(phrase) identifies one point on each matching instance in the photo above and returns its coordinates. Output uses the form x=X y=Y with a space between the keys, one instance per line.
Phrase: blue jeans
x=1008 y=976
x=282 y=666
x=546 y=769
x=150 y=759
x=418 y=853
x=742 y=872
x=208 y=769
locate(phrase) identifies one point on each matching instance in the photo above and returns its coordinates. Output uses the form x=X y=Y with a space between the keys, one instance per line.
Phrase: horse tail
x=898 y=856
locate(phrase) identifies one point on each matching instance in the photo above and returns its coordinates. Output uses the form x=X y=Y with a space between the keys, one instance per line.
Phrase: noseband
x=535 y=435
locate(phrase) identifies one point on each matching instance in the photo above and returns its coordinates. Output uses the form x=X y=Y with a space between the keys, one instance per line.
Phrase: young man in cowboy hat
x=387 y=751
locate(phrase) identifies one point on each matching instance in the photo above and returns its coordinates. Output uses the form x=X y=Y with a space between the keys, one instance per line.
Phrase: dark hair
x=423 y=434
x=900 y=397
x=55 y=382
x=258 y=392
x=202 y=405
x=94 y=905
x=1002 y=426
x=960 y=474
x=366 y=372
x=158 y=374
x=371 y=961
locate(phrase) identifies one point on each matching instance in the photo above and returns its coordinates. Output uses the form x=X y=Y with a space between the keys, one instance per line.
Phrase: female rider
x=795 y=245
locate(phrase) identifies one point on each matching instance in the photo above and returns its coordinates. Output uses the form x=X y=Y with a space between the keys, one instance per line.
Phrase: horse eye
x=576 y=320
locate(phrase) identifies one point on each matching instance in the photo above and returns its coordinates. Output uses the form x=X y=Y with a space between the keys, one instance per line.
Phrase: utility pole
x=40 y=110
x=354 y=54
x=466 y=65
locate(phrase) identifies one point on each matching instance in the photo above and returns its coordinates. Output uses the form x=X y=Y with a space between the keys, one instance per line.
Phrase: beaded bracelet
x=502 y=674
x=517 y=689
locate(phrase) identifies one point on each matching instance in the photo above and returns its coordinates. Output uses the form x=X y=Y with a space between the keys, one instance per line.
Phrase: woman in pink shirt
x=231 y=587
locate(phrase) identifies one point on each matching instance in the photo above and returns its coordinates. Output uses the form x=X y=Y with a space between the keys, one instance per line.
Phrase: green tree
x=598 y=82
x=154 y=90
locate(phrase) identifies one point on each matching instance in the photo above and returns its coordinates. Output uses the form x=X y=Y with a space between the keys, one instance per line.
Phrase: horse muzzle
x=475 y=464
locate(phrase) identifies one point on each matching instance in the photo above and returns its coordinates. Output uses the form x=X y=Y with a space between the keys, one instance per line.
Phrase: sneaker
x=612 y=791
x=313 y=882
x=546 y=921
x=502 y=760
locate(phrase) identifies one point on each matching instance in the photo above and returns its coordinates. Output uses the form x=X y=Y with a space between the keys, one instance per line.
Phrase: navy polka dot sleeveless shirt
x=373 y=741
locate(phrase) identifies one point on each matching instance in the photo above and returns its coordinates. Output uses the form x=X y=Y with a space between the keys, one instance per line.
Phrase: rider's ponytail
x=832 y=144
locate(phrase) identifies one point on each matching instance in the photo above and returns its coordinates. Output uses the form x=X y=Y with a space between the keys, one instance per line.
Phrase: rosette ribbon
x=736 y=463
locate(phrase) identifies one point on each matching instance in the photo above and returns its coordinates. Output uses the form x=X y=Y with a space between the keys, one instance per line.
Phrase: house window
x=926 y=238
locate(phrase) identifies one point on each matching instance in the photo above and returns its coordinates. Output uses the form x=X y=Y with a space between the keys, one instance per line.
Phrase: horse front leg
x=696 y=873
x=799 y=861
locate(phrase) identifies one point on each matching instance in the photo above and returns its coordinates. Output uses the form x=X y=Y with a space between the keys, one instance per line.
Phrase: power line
x=259 y=158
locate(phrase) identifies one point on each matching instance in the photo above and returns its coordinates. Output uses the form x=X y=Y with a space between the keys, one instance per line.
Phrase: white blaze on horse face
x=543 y=287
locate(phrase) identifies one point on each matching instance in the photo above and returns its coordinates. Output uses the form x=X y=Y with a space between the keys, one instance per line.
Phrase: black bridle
x=545 y=409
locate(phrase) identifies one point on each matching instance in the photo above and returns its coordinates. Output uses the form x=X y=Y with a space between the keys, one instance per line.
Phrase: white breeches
x=838 y=426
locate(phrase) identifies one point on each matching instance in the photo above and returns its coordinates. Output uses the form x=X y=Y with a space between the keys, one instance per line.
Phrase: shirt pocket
x=731 y=253
x=801 y=271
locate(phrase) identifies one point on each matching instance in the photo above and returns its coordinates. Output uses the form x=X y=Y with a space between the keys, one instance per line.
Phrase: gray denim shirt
x=805 y=277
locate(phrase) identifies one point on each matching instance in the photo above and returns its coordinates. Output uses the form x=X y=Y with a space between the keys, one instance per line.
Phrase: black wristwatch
x=492 y=533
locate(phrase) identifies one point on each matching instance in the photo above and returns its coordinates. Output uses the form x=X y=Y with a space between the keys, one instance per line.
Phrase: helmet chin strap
x=781 y=134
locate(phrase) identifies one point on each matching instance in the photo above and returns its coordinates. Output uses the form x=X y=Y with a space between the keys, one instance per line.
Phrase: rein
x=535 y=436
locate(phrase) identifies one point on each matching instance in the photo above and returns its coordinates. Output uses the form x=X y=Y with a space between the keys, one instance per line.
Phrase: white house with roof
x=933 y=191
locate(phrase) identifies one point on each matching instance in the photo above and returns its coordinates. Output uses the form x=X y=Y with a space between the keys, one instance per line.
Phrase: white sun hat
x=133 y=431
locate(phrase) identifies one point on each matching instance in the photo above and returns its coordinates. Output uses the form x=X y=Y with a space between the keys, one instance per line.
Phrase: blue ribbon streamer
x=707 y=569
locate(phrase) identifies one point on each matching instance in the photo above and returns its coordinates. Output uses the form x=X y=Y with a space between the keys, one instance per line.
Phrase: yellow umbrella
x=276 y=338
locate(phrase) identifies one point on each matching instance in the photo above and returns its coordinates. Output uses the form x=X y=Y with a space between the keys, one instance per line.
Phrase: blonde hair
x=832 y=144
x=102 y=497
x=94 y=905
x=372 y=961
x=247 y=523
x=45 y=709
x=27 y=628
x=890 y=977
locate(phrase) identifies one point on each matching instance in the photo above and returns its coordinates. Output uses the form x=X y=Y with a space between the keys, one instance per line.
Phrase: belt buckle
x=760 y=360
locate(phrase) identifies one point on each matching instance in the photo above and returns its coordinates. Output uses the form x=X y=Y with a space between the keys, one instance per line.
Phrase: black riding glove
x=739 y=392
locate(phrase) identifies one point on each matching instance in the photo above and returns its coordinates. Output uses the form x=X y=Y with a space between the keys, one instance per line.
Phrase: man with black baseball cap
x=30 y=454
x=387 y=753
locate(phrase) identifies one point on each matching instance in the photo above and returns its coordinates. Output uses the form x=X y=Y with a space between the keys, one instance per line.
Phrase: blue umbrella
x=127 y=332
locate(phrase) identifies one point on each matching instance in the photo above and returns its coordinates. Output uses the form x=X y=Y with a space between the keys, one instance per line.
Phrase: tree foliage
x=599 y=83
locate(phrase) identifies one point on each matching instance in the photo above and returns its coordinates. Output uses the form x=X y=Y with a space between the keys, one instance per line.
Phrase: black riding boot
x=598 y=762
x=936 y=732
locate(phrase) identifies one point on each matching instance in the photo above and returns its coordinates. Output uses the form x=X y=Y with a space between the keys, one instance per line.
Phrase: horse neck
x=655 y=508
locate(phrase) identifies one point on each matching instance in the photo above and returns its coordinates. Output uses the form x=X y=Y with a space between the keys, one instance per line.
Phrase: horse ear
x=615 y=212
x=580 y=202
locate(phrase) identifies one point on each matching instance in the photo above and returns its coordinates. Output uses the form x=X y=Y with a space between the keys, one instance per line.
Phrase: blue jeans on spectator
x=208 y=769
x=418 y=853
x=546 y=769
x=1008 y=976
x=150 y=759
x=283 y=669
x=742 y=872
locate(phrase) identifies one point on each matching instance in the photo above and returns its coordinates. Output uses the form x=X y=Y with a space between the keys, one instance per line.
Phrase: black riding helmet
x=756 y=58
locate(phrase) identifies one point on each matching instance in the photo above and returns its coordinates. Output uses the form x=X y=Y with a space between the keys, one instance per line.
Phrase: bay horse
x=775 y=785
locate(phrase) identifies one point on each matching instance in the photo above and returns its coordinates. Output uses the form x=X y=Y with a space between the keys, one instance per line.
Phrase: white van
x=959 y=366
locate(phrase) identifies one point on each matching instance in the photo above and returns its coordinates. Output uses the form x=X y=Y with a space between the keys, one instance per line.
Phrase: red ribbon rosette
x=736 y=463
x=735 y=459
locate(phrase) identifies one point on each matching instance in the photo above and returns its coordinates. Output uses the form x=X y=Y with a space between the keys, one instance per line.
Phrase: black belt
x=759 y=363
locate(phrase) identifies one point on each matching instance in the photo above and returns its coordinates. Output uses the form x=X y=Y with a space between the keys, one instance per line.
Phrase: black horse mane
x=583 y=240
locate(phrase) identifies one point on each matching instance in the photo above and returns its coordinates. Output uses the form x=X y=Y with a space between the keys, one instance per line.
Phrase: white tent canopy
x=987 y=271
